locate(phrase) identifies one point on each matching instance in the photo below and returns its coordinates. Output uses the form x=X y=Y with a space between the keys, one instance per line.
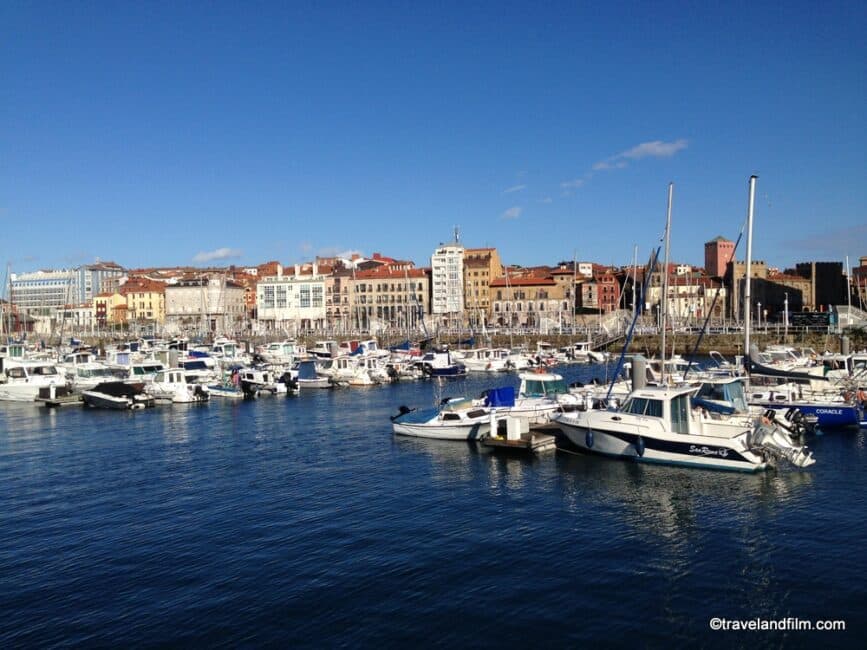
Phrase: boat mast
x=664 y=302
x=747 y=282
x=634 y=276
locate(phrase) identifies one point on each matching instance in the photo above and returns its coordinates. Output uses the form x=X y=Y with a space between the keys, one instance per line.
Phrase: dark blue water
x=303 y=521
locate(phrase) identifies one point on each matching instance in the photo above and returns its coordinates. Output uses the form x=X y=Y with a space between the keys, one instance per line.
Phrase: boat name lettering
x=707 y=451
x=830 y=411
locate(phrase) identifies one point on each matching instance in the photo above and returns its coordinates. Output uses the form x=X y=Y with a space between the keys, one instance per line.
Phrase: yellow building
x=105 y=308
x=145 y=300
x=481 y=267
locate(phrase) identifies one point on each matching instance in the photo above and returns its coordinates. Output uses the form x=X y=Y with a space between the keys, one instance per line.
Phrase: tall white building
x=447 y=280
x=291 y=302
x=43 y=291
x=46 y=291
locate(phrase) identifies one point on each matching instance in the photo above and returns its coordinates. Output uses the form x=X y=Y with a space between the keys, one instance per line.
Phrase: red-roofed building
x=530 y=298
x=385 y=296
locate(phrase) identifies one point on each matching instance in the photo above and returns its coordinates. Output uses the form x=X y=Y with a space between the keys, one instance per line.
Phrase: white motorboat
x=282 y=352
x=20 y=381
x=143 y=371
x=454 y=419
x=658 y=424
x=86 y=375
x=172 y=386
x=264 y=381
x=306 y=377
x=485 y=359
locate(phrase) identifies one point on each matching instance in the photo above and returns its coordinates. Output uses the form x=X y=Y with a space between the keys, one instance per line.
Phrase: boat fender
x=588 y=439
x=639 y=446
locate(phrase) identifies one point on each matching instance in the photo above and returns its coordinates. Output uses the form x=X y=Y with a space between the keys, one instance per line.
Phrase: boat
x=264 y=381
x=172 y=386
x=117 y=395
x=453 y=419
x=439 y=363
x=306 y=377
x=540 y=396
x=20 y=381
x=134 y=373
x=582 y=352
x=325 y=349
x=282 y=352
x=485 y=359
x=658 y=424
x=830 y=411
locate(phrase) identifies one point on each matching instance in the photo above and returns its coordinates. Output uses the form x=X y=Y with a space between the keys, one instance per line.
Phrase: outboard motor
x=770 y=441
x=249 y=389
x=403 y=410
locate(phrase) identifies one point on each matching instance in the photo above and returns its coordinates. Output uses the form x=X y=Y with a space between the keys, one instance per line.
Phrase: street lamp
x=759 y=314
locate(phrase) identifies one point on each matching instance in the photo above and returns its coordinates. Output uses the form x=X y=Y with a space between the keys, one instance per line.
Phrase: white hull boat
x=456 y=419
x=657 y=424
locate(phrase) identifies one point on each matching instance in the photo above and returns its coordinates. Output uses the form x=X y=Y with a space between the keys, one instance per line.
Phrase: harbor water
x=303 y=521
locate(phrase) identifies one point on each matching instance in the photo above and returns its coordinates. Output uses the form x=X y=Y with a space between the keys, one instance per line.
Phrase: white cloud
x=573 y=184
x=515 y=188
x=653 y=149
x=219 y=254
x=339 y=251
x=546 y=199
x=512 y=213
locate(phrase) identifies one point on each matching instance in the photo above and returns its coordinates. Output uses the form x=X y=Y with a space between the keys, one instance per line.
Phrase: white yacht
x=658 y=424
x=485 y=359
x=20 y=381
x=282 y=352
x=172 y=386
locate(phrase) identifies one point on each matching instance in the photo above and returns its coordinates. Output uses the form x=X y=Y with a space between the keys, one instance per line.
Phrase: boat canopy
x=504 y=396
x=307 y=370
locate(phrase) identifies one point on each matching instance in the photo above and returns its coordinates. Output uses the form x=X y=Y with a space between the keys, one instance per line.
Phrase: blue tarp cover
x=504 y=396
x=306 y=370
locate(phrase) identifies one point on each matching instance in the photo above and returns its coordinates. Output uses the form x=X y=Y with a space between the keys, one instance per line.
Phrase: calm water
x=303 y=521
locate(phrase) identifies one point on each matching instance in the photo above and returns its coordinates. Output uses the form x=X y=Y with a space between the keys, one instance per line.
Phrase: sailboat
x=799 y=389
x=658 y=424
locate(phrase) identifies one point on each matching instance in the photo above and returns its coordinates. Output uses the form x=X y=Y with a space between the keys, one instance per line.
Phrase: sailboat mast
x=634 y=276
x=748 y=280
x=664 y=302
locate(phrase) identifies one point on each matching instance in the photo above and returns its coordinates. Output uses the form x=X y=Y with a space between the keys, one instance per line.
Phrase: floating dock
x=514 y=434
x=532 y=442
x=65 y=400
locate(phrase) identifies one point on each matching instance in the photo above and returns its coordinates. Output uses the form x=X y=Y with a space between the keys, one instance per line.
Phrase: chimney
x=297 y=270
x=315 y=267
x=279 y=270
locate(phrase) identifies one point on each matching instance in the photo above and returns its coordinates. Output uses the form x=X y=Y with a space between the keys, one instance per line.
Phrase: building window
x=268 y=297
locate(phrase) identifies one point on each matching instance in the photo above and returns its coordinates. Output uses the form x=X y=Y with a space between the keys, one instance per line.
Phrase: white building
x=291 y=302
x=209 y=304
x=447 y=280
x=46 y=291
x=43 y=291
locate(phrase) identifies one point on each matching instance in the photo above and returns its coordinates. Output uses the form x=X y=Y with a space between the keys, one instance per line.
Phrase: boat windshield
x=643 y=406
x=543 y=387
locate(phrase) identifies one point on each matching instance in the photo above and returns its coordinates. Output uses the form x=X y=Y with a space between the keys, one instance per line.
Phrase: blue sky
x=173 y=133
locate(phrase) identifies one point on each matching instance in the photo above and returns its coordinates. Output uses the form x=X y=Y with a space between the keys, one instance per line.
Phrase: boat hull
x=828 y=416
x=649 y=449
x=469 y=431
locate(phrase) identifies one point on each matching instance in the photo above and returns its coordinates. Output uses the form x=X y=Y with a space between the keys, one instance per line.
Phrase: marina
x=248 y=515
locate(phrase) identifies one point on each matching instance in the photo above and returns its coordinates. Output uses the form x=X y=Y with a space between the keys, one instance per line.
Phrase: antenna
x=457 y=234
